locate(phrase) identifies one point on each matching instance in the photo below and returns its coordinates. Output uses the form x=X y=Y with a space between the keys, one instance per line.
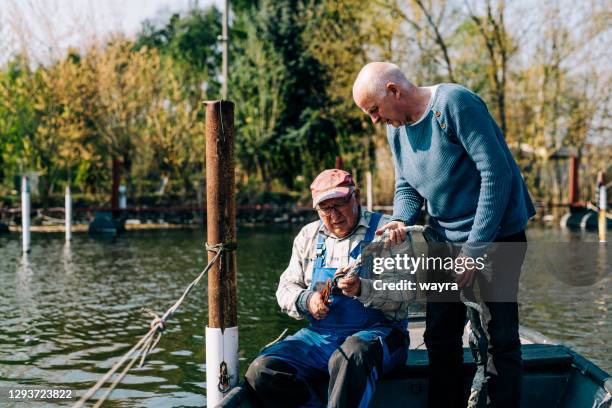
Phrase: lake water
x=68 y=314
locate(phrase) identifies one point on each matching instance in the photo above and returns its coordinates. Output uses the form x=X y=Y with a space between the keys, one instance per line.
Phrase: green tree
x=18 y=120
x=192 y=41
x=174 y=138
x=304 y=137
x=125 y=84
x=257 y=78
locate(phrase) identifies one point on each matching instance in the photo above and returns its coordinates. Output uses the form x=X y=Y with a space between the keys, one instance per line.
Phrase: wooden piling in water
x=574 y=192
x=339 y=163
x=222 y=331
x=221 y=211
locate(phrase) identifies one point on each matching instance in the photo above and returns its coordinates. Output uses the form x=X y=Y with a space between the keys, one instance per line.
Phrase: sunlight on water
x=69 y=313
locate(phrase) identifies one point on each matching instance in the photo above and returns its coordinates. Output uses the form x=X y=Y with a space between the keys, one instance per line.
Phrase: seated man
x=352 y=341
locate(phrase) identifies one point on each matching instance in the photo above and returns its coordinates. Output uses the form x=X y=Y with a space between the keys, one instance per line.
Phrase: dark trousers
x=284 y=375
x=445 y=321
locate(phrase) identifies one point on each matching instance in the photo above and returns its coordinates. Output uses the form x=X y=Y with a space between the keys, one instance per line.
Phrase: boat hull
x=554 y=376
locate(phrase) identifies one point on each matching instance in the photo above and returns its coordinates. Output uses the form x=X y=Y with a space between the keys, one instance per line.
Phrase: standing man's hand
x=316 y=307
x=467 y=277
x=397 y=234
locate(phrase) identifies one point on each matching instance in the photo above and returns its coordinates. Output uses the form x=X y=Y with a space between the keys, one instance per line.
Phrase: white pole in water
x=68 y=214
x=369 y=198
x=25 y=213
x=221 y=362
x=201 y=189
x=225 y=50
x=603 y=206
x=122 y=197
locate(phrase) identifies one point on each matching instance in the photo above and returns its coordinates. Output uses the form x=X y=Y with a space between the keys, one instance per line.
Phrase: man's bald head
x=384 y=94
x=373 y=79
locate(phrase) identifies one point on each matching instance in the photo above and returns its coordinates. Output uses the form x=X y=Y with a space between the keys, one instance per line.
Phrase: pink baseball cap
x=331 y=183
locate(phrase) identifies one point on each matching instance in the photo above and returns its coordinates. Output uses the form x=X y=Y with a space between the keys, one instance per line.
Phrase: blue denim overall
x=346 y=315
x=310 y=349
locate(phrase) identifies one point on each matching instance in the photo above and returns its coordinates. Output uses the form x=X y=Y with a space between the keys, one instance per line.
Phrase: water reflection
x=573 y=263
x=67 y=259
x=565 y=291
x=68 y=312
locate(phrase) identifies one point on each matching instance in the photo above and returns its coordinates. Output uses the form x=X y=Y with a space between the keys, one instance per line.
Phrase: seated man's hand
x=397 y=234
x=316 y=307
x=350 y=286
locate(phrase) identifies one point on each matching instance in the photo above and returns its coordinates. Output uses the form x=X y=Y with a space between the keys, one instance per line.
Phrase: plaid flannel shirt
x=294 y=285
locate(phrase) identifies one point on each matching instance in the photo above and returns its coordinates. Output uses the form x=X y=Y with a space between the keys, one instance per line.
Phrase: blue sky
x=47 y=27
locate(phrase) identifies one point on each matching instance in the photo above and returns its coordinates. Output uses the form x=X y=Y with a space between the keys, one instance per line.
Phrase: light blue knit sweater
x=456 y=158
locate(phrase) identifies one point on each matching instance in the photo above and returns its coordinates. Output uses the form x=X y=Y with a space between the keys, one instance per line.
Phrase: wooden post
x=339 y=162
x=221 y=211
x=603 y=206
x=574 y=193
x=222 y=331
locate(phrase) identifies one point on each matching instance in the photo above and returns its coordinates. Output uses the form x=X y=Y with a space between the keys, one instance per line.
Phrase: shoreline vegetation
x=190 y=217
x=129 y=109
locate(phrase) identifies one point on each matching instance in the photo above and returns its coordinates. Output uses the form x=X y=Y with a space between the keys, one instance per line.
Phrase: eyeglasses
x=339 y=204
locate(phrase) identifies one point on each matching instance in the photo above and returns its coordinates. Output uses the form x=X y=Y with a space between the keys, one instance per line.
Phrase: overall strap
x=372 y=227
x=320 y=261
x=369 y=235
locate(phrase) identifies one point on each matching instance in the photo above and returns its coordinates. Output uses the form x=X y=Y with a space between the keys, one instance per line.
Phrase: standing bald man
x=448 y=150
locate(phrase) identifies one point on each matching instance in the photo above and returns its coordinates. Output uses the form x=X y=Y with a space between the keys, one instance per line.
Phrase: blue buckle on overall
x=320 y=261
x=320 y=248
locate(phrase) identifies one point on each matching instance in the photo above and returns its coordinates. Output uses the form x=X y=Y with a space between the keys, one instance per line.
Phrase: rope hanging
x=149 y=341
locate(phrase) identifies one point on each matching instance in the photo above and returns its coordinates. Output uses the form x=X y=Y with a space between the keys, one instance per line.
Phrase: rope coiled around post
x=221 y=247
x=149 y=341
